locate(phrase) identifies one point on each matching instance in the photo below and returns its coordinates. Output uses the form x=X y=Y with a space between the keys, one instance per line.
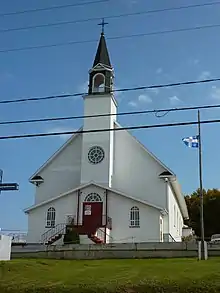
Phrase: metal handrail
x=172 y=237
x=102 y=232
x=58 y=229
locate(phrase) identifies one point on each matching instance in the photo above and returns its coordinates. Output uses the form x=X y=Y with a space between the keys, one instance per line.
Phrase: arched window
x=51 y=217
x=93 y=197
x=134 y=217
x=99 y=83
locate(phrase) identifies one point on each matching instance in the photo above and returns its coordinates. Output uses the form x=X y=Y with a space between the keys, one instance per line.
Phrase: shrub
x=71 y=236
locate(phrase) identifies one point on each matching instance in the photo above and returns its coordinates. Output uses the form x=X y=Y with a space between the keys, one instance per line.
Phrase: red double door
x=92 y=214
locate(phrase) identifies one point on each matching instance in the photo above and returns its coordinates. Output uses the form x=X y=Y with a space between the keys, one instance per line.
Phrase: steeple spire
x=101 y=75
x=102 y=55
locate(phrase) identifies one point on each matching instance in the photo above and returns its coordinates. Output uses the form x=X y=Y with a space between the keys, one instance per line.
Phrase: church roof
x=102 y=56
x=167 y=173
x=36 y=174
x=97 y=185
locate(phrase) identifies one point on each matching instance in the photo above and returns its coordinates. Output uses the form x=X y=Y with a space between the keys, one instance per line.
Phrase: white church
x=107 y=185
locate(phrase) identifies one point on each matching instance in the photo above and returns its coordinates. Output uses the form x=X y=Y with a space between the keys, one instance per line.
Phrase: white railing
x=103 y=235
x=48 y=235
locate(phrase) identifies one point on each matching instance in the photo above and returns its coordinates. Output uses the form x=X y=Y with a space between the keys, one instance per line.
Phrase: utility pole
x=201 y=192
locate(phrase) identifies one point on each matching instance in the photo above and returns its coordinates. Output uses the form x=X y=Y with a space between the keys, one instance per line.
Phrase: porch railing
x=103 y=235
x=54 y=231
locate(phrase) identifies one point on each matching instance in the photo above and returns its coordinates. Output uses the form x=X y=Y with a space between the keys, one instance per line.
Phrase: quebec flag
x=192 y=141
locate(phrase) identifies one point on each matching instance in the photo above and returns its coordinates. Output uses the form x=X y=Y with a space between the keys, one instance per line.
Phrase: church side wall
x=175 y=217
x=136 y=172
x=119 y=210
x=62 y=174
x=65 y=206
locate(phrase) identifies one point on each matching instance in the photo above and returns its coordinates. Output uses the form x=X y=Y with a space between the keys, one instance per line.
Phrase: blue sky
x=139 y=61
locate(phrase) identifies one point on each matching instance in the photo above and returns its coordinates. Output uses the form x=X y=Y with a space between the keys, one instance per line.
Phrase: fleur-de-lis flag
x=191 y=141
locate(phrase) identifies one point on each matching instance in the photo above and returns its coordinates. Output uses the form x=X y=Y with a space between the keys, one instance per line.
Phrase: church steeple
x=98 y=148
x=101 y=75
x=102 y=56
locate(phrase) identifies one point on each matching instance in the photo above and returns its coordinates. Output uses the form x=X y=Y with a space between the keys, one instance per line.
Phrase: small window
x=51 y=217
x=134 y=217
x=99 y=83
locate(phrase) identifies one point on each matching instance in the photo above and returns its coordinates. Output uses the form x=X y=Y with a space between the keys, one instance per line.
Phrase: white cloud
x=205 y=74
x=62 y=129
x=159 y=70
x=144 y=99
x=132 y=104
x=154 y=90
x=174 y=100
x=215 y=93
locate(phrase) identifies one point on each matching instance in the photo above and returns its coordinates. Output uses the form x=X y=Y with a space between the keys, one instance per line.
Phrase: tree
x=211 y=212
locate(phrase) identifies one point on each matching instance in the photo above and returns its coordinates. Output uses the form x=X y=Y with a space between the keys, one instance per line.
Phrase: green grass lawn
x=144 y=275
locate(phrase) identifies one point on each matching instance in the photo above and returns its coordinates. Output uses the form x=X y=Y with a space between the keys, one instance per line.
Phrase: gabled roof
x=98 y=185
x=147 y=151
x=169 y=174
x=102 y=56
x=36 y=174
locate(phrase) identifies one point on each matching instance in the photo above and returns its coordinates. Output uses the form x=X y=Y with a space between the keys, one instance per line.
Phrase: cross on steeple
x=103 y=23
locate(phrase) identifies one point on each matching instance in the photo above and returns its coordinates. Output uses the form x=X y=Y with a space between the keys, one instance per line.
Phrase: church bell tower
x=98 y=147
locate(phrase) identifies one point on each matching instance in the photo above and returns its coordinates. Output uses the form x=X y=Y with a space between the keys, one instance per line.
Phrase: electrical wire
x=168 y=110
x=166 y=85
x=52 y=8
x=107 y=129
x=83 y=20
x=70 y=43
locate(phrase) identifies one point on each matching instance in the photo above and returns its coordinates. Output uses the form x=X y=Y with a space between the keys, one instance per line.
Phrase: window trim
x=134 y=218
x=51 y=217
x=92 y=194
x=96 y=155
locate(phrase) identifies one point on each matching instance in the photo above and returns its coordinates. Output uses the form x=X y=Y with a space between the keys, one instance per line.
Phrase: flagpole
x=201 y=191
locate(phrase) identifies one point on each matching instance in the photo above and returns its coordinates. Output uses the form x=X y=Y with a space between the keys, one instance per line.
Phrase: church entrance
x=92 y=211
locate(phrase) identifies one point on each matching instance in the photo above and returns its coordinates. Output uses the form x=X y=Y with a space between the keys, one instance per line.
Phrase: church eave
x=97 y=185
x=179 y=197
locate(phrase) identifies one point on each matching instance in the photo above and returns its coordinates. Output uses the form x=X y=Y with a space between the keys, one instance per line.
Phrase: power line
x=107 y=17
x=191 y=82
x=166 y=110
x=111 y=38
x=109 y=129
x=52 y=8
